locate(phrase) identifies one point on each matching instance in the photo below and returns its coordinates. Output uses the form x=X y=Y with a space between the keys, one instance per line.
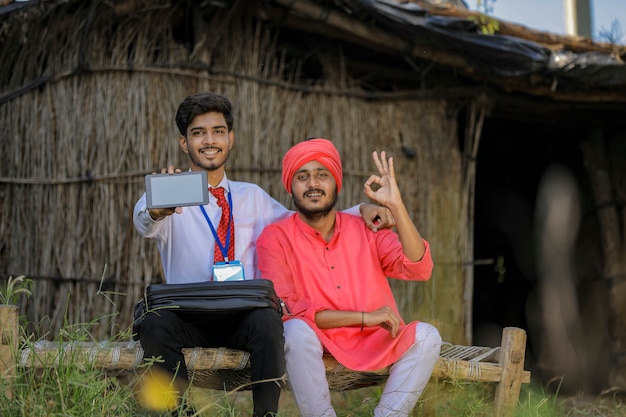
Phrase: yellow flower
x=157 y=391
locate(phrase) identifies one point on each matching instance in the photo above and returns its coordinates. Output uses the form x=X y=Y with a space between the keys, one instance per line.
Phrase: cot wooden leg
x=8 y=346
x=512 y=362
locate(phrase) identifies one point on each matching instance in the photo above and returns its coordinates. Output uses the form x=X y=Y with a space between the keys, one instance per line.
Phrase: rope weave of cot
x=472 y=354
x=226 y=368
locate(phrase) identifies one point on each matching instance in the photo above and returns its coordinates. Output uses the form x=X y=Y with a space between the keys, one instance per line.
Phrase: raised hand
x=383 y=188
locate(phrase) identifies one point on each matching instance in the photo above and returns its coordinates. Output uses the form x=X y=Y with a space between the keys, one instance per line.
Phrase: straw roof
x=394 y=44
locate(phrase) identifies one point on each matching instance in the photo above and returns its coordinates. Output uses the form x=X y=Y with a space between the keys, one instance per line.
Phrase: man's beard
x=197 y=160
x=317 y=213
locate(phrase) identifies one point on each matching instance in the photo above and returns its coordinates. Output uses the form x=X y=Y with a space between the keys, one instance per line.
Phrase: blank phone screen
x=176 y=190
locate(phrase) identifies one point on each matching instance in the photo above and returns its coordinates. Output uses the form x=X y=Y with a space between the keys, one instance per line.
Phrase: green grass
x=75 y=390
x=440 y=399
x=81 y=390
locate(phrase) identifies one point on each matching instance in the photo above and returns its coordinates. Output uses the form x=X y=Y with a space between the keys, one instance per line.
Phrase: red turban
x=320 y=150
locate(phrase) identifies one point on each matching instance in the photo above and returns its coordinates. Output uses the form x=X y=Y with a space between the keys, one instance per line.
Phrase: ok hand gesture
x=383 y=188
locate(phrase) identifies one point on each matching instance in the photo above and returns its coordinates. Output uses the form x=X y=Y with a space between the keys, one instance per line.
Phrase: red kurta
x=348 y=273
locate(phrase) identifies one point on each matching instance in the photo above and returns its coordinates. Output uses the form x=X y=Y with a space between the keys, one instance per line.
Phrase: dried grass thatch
x=76 y=148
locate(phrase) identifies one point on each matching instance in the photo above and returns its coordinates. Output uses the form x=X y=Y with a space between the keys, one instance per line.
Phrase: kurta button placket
x=332 y=268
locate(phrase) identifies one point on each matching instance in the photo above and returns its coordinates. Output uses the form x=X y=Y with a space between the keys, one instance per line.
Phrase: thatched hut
x=88 y=92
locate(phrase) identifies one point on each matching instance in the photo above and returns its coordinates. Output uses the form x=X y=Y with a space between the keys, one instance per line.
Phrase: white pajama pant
x=407 y=380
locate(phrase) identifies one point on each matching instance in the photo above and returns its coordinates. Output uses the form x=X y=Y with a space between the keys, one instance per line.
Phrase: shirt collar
x=223 y=183
x=305 y=228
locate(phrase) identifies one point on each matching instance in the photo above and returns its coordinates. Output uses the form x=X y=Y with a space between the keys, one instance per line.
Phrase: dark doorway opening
x=513 y=157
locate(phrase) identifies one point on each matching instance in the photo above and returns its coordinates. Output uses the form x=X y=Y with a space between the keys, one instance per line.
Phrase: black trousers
x=164 y=334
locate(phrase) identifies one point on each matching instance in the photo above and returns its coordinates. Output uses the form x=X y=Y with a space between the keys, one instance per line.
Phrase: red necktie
x=223 y=227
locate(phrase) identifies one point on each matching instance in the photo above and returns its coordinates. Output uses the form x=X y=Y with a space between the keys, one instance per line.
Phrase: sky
x=548 y=15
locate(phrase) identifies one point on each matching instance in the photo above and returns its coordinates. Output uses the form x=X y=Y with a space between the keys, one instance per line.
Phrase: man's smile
x=210 y=151
x=314 y=194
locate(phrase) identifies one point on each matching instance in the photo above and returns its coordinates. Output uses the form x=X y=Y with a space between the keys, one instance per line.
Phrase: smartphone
x=177 y=190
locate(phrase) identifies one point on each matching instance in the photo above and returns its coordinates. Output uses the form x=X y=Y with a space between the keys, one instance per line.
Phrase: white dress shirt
x=185 y=240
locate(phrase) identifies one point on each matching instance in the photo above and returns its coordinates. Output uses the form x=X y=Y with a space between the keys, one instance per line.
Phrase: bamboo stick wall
x=76 y=149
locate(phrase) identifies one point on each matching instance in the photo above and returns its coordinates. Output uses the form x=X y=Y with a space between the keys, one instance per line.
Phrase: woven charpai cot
x=228 y=369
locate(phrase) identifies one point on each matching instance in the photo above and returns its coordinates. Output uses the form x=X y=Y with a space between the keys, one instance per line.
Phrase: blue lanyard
x=223 y=249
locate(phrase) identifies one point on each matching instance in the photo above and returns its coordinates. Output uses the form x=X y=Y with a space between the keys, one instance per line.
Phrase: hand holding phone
x=176 y=190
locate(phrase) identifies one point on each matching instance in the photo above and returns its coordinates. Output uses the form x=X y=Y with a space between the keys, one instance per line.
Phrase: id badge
x=228 y=271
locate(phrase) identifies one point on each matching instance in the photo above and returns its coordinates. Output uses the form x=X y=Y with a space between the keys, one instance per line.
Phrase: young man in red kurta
x=332 y=271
